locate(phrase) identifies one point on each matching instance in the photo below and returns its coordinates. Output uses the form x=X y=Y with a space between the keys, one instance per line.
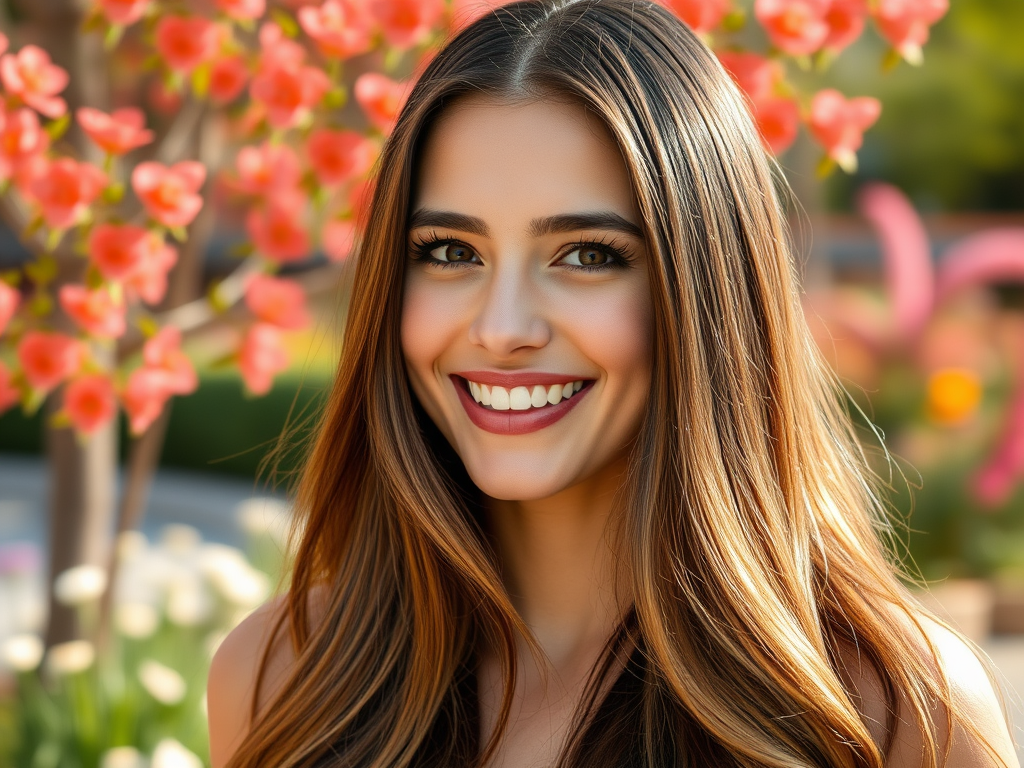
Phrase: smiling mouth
x=497 y=398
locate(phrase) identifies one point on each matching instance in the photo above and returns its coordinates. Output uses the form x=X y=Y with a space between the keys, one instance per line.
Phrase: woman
x=582 y=494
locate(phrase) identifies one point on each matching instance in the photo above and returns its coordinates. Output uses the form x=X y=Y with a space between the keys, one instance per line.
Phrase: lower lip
x=514 y=422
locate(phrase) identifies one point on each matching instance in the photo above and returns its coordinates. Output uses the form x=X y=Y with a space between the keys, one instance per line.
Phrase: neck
x=559 y=567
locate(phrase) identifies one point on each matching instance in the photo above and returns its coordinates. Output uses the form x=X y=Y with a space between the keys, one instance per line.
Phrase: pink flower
x=242 y=9
x=4 y=42
x=406 y=23
x=839 y=124
x=185 y=42
x=276 y=50
x=49 y=358
x=9 y=300
x=796 y=27
x=162 y=98
x=261 y=357
x=228 y=76
x=755 y=75
x=144 y=397
x=116 y=133
x=994 y=255
x=118 y=250
x=845 y=19
x=381 y=98
x=278 y=231
x=339 y=156
x=64 y=190
x=170 y=194
x=699 y=15
x=21 y=138
x=90 y=402
x=149 y=281
x=905 y=23
x=341 y=28
x=9 y=394
x=268 y=169
x=278 y=301
x=96 y=311
x=778 y=119
x=123 y=12
x=338 y=239
x=31 y=75
x=163 y=352
x=288 y=91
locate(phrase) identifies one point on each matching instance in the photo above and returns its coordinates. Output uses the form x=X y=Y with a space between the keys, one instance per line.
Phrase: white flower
x=80 y=585
x=171 y=754
x=123 y=757
x=131 y=545
x=180 y=539
x=136 y=620
x=237 y=581
x=265 y=516
x=163 y=683
x=23 y=652
x=189 y=603
x=70 y=658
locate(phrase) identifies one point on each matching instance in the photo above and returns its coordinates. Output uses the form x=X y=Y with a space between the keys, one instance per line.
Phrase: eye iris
x=459 y=253
x=591 y=257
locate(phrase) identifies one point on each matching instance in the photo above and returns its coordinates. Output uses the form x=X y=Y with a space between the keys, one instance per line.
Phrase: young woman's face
x=526 y=324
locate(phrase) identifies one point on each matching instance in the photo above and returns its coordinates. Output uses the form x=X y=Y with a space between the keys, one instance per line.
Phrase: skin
x=515 y=302
x=512 y=306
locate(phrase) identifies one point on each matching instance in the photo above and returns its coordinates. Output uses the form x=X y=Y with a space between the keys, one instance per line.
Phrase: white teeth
x=500 y=399
x=539 y=396
x=519 y=399
x=522 y=398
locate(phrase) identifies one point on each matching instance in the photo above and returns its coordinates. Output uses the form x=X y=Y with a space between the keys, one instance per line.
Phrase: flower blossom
x=96 y=311
x=699 y=15
x=276 y=50
x=21 y=139
x=261 y=357
x=338 y=238
x=163 y=353
x=185 y=42
x=777 y=116
x=118 y=250
x=9 y=300
x=796 y=27
x=406 y=23
x=845 y=19
x=48 y=358
x=278 y=301
x=267 y=169
x=31 y=75
x=228 y=77
x=288 y=91
x=90 y=402
x=64 y=189
x=70 y=658
x=119 y=132
x=165 y=371
x=149 y=281
x=123 y=12
x=277 y=230
x=339 y=156
x=905 y=23
x=340 y=28
x=22 y=653
x=170 y=193
x=242 y=10
x=164 y=684
x=839 y=124
x=381 y=98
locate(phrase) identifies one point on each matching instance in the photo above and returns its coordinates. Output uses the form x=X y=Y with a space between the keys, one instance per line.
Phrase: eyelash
x=620 y=254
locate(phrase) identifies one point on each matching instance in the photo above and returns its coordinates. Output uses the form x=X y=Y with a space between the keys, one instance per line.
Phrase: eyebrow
x=549 y=225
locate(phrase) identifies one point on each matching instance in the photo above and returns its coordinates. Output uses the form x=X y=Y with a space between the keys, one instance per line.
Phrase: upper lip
x=509 y=379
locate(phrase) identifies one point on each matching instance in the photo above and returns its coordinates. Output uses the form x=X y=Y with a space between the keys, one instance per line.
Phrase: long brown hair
x=749 y=519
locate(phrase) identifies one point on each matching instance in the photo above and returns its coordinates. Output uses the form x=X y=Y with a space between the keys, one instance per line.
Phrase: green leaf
x=201 y=81
x=825 y=167
x=11 y=277
x=148 y=326
x=286 y=21
x=95 y=21
x=241 y=250
x=215 y=297
x=42 y=271
x=32 y=227
x=891 y=60
x=336 y=98
x=734 y=20
x=93 y=278
x=113 y=36
x=41 y=305
x=57 y=128
x=60 y=420
x=179 y=233
x=151 y=62
x=31 y=400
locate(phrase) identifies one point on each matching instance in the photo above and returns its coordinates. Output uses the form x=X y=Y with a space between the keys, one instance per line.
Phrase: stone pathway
x=212 y=505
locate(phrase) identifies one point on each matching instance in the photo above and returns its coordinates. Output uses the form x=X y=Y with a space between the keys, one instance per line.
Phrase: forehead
x=498 y=160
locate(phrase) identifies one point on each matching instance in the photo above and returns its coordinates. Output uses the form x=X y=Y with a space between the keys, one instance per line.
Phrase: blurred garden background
x=172 y=297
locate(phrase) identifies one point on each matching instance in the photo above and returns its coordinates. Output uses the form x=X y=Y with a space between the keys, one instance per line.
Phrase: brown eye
x=587 y=257
x=452 y=252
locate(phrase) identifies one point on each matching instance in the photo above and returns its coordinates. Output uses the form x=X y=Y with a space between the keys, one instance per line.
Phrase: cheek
x=427 y=329
x=615 y=331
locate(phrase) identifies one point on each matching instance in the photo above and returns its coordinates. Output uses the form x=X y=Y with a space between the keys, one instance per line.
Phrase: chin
x=509 y=480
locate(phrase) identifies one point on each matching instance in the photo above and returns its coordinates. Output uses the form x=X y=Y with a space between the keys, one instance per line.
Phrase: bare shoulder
x=232 y=678
x=973 y=692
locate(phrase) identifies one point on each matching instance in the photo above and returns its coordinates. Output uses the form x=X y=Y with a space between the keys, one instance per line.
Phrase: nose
x=510 y=316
